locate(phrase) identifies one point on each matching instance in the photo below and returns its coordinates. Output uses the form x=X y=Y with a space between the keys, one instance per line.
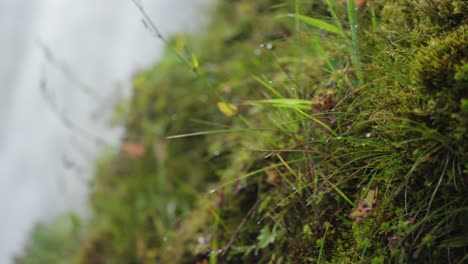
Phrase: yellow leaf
x=227 y=109
x=139 y=80
x=194 y=62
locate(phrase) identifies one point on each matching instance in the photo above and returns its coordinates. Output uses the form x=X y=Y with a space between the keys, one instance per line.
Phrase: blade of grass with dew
x=268 y=86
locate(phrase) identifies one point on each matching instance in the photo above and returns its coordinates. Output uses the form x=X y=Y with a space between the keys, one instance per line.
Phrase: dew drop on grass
x=262 y=45
x=292 y=88
x=368 y=134
x=212 y=191
x=270 y=82
x=216 y=153
x=338 y=137
x=355 y=26
x=269 y=46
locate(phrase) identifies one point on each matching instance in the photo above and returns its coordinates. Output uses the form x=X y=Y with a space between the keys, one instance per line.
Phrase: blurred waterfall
x=98 y=45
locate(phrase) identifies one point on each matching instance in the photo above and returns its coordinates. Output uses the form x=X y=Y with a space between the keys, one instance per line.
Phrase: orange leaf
x=134 y=150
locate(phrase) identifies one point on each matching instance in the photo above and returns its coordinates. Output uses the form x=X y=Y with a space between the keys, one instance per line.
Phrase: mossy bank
x=289 y=132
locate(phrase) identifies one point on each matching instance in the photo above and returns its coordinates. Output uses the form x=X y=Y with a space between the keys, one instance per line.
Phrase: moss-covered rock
x=271 y=143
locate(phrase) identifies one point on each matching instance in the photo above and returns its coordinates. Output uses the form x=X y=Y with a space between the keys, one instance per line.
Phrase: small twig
x=67 y=72
x=153 y=29
x=50 y=100
x=148 y=22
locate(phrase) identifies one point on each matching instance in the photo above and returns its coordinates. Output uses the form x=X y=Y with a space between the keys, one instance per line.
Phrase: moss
x=286 y=175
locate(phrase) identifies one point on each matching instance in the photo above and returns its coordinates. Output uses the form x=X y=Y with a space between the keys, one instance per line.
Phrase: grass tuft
x=338 y=136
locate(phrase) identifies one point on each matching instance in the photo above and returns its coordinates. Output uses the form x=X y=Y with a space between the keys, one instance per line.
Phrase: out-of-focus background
x=64 y=64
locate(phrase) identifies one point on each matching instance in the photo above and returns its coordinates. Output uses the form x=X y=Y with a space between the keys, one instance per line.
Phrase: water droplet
x=292 y=88
x=259 y=222
x=355 y=26
x=270 y=82
x=262 y=45
x=368 y=134
x=216 y=153
x=348 y=127
x=333 y=110
x=212 y=191
x=201 y=240
x=269 y=46
x=338 y=137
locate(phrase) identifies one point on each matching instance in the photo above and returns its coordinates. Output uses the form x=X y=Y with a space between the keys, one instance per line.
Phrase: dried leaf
x=134 y=150
x=364 y=207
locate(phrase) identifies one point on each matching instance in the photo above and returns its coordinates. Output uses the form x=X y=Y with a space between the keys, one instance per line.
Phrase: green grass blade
x=353 y=24
x=284 y=103
x=210 y=132
x=268 y=86
x=317 y=121
x=317 y=23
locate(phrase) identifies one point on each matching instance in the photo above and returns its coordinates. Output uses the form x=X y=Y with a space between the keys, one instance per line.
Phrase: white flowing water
x=52 y=109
